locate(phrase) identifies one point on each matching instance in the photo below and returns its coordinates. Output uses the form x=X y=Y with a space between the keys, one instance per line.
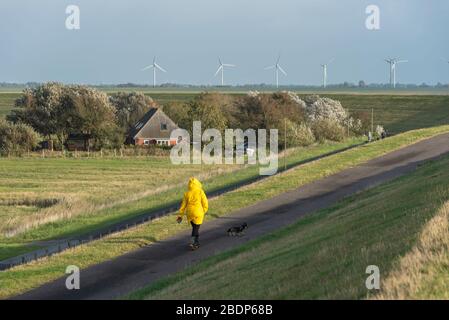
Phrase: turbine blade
x=148 y=67
x=218 y=70
x=160 y=68
x=270 y=67
x=282 y=70
x=401 y=61
x=279 y=58
x=229 y=65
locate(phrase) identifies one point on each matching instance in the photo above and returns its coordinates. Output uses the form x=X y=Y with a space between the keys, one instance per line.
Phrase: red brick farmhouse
x=155 y=127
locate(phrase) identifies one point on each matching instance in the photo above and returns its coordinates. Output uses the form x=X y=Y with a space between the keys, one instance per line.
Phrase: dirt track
x=137 y=269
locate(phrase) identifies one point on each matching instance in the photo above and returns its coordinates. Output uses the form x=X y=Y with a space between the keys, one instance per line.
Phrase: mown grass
x=26 y=277
x=95 y=193
x=423 y=273
x=325 y=255
x=400 y=113
x=81 y=186
x=7 y=102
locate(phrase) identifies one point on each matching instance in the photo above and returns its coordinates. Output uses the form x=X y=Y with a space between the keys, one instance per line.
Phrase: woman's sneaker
x=194 y=246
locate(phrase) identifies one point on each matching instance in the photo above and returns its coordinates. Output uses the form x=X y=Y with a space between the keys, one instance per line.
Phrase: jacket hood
x=194 y=183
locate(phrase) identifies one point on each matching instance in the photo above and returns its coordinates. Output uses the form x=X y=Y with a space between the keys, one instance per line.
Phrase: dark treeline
x=53 y=111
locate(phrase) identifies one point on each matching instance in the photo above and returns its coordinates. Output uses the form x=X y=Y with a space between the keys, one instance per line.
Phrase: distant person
x=194 y=206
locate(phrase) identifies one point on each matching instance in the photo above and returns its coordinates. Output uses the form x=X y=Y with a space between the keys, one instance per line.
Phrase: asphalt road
x=124 y=274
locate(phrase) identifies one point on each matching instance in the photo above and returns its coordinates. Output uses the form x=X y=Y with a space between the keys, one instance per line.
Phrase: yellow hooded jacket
x=194 y=204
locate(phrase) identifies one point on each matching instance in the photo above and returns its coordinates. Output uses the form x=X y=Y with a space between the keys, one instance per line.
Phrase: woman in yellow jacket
x=194 y=206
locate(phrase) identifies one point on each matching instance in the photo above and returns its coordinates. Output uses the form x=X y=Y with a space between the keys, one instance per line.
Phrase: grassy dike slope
x=22 y=278
x=116 y=202
x=401 y=226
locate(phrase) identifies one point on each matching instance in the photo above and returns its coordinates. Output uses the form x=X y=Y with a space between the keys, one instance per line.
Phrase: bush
x=15 y=139
x=363 y=123
x=325 y=109
x=299 y=134
x=326 y=129
x=304 y=136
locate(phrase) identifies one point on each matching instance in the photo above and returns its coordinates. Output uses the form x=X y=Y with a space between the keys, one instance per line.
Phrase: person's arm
x=204 y=202
x=182 y=209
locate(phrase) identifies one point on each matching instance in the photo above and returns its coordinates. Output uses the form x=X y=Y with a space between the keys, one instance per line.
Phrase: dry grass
x=35 y=192
x=424 y=263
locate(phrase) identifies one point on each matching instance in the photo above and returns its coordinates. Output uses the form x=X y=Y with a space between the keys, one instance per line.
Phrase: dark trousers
x=195 y=231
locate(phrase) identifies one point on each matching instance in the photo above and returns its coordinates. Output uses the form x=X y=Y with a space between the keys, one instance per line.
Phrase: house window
x=146 y=142
x=163 y=127
x=163 y=142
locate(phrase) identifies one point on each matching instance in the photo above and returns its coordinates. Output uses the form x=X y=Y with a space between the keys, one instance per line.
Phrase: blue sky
x=117 y=38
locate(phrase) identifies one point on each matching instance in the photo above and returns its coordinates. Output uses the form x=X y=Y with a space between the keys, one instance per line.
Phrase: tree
x=179 y=113
x=268 y=110
x=89 y=112
x=40 y=108
x=53 y=109
x=130 y=108
x=17 y=138
x=207 y=109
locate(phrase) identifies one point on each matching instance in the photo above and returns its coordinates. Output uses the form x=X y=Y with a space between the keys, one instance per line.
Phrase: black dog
x=237 y=231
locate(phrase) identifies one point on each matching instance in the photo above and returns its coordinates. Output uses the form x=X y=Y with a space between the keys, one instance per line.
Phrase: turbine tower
x=392 y=63
x=277 y=67
x=324 y=66
x=154 y=66
x=221 y=67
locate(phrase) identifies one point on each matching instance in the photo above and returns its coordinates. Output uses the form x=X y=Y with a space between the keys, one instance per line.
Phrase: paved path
x=139 y=268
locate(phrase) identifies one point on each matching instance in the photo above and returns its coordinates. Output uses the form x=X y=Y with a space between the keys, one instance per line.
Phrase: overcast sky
x=117 y=38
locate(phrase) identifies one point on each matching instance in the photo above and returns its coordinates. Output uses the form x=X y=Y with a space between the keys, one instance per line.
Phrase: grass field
x=22 y=278
x=35 y=191
x=400 y=113
x=7 y=102
x=45 y=199
x=397 y=112
x=401 y=227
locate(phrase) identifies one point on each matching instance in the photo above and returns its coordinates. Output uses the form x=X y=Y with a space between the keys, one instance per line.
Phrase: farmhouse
x=155 y=127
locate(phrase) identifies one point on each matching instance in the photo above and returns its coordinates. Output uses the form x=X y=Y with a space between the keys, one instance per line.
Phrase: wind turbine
x=154 y=66
x=392 y=63
x=277 y=68
x=324 y=66
x=221 y=67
